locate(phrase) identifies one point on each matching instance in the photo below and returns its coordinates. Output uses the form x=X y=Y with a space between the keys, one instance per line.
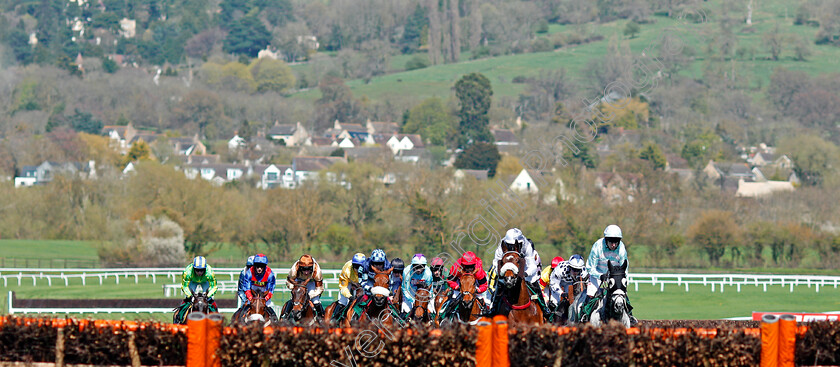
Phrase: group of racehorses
x=517 y=302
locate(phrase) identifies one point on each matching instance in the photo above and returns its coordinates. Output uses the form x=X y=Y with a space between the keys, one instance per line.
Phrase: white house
x=345 y=143
x=504 y=137
x=236 y=142
x=307 y=168
x=533 y=182
x=28 y=177
x=759 y=189
x=290 y=134
x=398 y=142
x=524 y=183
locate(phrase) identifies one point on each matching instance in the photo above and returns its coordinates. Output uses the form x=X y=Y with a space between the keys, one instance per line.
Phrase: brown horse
x=420 y=311
x=357 y=292
x=302 y=312
x=515 y=297
x=470 y=307
x=378 y=306
x=257 y=311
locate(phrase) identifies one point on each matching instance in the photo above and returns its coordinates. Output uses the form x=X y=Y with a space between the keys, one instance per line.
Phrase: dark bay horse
x=302 y=312
x=379 y=305
x=614 y=304
x=469 y=307
x=257 y=311
x=420 y=313
x=355 y=290
x=515 y=296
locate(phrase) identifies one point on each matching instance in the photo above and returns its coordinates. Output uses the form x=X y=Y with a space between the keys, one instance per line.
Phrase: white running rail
x=719 y=281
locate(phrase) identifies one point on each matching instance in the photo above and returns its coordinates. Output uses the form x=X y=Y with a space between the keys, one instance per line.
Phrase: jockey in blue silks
x=240 y=292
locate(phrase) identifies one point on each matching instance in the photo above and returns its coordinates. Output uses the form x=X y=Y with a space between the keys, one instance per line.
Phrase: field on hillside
x=754 y=63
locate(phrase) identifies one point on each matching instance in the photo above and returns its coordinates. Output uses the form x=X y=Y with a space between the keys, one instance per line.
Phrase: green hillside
x=753 y=62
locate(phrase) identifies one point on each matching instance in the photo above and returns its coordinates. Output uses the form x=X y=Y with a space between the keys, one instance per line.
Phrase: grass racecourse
x=674 y=303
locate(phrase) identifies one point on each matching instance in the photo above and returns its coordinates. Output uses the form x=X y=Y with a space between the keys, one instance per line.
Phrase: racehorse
x=469 y=307
x=302 y=312
x=561 y=313
x=257 y=311
x=514 y=295
x=420 y=312
x=378 y=306
x=614 y=305
x=199 y=304
x=355 y=290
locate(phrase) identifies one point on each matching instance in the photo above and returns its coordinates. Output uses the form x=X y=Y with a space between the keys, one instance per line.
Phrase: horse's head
x=300 y=299
x=510 y=271
x=258 y=303
x=616 y=277
x=381 y=286
x=467 y=287
x=421 y=303
x=201 y=304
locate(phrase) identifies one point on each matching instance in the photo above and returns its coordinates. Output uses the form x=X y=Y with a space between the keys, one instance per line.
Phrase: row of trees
x=423 y=212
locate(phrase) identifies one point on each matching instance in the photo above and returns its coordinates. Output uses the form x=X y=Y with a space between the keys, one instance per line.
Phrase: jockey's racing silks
x=265 y=283
x=262 y=281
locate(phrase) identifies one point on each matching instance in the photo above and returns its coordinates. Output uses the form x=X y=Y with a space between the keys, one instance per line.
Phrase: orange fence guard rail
x=778 y=340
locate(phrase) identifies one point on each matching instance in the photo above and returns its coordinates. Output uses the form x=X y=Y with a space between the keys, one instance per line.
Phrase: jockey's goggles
x=612 y=240
x=305 y=268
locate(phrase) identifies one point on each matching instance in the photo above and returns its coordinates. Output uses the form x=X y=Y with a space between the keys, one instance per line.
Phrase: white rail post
x=11 y=307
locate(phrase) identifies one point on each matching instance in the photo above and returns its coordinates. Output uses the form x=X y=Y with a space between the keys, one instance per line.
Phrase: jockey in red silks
x=468 y=263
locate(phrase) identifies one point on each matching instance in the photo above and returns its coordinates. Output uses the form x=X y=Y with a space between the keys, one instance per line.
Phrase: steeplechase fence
x=204 y=342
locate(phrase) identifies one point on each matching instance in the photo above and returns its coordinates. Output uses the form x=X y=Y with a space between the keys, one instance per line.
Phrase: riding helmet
x=250 y=261
x=378 y=256
x=437 y=262
x=260 y=259
x=576 y=261
x=469 y=258
x=556 y=261
x=306 y=261
x=612 y=231
x=199 y=263
x=359 y=259
x=514 y=236
x=398 y=265
x=418 y=259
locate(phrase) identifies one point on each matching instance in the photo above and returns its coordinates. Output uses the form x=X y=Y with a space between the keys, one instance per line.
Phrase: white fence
x=719 y=281
x=102 y=275
x=85 y=310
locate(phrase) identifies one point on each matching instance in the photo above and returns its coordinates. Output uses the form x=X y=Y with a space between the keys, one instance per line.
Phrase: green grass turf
x=438 y=80
x=48 y=249
x=649 y=302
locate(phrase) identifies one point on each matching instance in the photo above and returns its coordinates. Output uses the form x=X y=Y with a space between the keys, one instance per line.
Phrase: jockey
x=397 y=275
x=607 y=248
x=468 y=263
x=241 y=284
x=349 y=275
x=414 y=277
x=260 y=278
x=307 y=269
x=196 y=274
x=439 y=276
x=545 y=278
x=515 y=241
x=566 y=274
x=376 y=260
